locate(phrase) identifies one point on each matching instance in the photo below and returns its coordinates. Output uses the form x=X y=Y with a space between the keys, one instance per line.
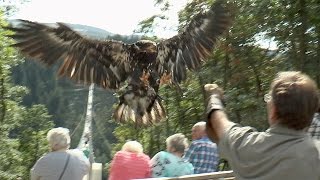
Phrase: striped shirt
x=314 y=129
x=203 y=155
x=127 y=165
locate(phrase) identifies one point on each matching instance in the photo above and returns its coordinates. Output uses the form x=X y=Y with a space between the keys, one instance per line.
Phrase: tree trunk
x=303 y=16
x=317 y=67
x=226 y=74
x=201 y=85
x=167 y=111
x=151 y=141
x=2 y=97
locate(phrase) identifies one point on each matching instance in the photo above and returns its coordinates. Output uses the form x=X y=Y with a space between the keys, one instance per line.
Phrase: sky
x=115 y=16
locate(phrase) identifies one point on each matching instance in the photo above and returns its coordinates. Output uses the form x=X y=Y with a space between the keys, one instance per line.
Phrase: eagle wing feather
x=105 y=63
x=192 y=46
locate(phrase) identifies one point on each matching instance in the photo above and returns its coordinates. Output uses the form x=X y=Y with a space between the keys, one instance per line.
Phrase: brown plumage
x=135 y=70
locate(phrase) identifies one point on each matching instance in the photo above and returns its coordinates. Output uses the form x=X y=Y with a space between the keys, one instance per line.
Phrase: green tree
x=31 y=134
x=295 y=26
x=22 y=130
x=9 y=155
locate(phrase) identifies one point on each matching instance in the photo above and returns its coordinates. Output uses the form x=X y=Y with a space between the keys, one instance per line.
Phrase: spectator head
x=59 y=139
x=294 y=100
x=132 y=146
x=177 y=143
x=199 y=130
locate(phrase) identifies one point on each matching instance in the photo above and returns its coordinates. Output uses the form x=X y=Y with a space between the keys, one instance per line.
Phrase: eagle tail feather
x=123 y=114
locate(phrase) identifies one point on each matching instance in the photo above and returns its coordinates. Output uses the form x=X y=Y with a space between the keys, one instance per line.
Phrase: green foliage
x=24 y=139
x=295 y=25
x=146 y=26
x=22 y=130
x=8 y=153
x=31 y=133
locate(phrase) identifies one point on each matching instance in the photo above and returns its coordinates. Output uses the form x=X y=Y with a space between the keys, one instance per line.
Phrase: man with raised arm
x=285 y=150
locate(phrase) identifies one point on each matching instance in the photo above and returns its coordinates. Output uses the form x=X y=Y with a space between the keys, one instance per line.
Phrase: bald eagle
x=135 y=70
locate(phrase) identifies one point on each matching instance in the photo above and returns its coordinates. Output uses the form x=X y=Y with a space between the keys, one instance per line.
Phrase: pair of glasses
x=267 y=98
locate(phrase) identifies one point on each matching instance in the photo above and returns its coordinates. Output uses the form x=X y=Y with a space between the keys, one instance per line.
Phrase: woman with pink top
x=130 y=163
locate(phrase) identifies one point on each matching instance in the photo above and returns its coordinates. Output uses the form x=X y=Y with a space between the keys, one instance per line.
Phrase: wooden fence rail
x=222 y=175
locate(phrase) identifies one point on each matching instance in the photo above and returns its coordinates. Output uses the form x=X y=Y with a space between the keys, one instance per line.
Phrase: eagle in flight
x=134 y=70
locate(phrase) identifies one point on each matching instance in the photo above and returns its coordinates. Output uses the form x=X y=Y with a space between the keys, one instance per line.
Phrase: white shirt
x=50 y=166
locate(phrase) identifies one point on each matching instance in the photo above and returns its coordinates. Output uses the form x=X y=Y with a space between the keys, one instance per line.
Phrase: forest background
x=33 y=100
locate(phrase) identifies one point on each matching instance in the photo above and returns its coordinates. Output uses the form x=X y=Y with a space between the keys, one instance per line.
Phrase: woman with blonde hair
x=61 y=163
x=170 y=163
x=130 y=163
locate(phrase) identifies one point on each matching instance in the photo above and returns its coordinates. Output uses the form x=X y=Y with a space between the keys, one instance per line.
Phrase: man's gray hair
x=295 y=98
x=178 y=142
x=58 y=138
x=200 y=124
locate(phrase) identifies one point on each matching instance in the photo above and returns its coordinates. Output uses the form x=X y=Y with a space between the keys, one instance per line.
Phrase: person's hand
x=213 y=89
x=214 y=98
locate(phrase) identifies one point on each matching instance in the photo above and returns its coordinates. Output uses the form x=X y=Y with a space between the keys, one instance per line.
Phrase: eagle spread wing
x=194 y=44
x=134 y=69
x=105 y=63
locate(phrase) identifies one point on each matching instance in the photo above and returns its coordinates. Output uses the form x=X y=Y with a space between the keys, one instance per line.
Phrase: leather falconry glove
x=214 y=98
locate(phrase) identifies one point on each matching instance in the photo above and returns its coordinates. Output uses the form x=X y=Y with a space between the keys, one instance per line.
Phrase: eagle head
x=146 y=46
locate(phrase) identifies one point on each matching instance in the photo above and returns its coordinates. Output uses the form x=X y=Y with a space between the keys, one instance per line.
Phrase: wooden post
x=96 y=171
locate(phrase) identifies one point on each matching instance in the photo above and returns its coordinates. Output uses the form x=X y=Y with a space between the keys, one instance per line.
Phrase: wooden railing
x=222 y=175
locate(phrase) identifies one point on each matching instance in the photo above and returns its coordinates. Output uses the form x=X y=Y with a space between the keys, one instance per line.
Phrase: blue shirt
x=314 y=129
x=165 y=164
x=203 y=155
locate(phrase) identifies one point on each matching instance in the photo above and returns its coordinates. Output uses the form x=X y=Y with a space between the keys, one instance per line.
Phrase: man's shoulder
x=237 y=131
x=45 y=158
x=203 y=142
x=53 y=156
x=237 y=134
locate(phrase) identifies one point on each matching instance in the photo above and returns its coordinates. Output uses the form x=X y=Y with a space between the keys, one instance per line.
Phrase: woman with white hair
x=170 y=163
x=61 y=163
x=130 y=163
